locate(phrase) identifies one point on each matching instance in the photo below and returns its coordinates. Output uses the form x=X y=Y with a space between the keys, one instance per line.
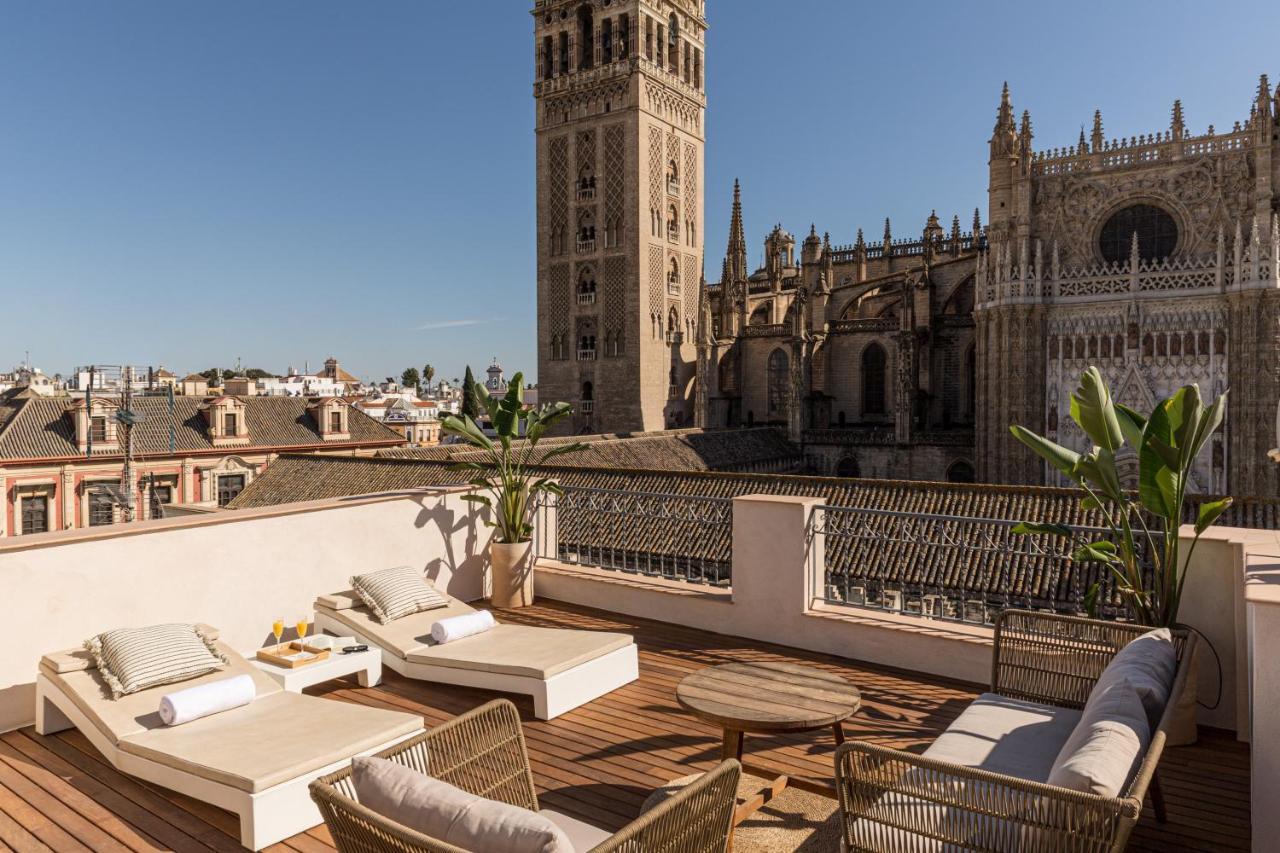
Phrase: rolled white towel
x=183 y=706
x=457 y=627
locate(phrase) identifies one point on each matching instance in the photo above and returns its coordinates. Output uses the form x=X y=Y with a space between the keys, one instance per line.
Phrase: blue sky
x=188 y=183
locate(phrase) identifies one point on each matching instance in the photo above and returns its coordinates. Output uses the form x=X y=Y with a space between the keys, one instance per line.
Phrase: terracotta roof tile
x=987 y=570
x=41 y=429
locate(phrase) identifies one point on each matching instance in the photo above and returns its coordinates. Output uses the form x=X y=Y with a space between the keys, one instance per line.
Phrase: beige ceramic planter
x=511 y=571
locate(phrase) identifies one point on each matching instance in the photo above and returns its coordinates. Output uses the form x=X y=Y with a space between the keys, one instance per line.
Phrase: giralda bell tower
x=620 y=106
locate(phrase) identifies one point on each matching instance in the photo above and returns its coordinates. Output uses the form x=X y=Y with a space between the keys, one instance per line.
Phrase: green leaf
x=1031 y=527
x=1095 y=552
x=1209 y=512
x=1092 y=409
x=1055 y=454
x=1131 y=425
x=1091 y=600
x=1098 y=467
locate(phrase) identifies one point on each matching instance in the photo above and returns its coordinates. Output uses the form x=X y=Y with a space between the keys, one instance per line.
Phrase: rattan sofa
x=893 y=800
x=483 y=752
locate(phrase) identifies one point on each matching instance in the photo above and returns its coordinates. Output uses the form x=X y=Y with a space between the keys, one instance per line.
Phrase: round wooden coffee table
x=767 y=698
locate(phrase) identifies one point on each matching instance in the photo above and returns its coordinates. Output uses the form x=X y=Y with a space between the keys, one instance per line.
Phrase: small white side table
x=367 y=666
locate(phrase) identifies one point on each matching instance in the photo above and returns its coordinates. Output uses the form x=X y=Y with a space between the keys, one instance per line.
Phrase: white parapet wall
x=236 y=570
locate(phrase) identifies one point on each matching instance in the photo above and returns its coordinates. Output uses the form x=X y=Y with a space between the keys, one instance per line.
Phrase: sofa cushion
x=583 y=836
x=344 y=600
x=1107 y=744
x=1013 y=737
x=1149 y=664
x=393 y=593
x=133 y=659
x=450 y=814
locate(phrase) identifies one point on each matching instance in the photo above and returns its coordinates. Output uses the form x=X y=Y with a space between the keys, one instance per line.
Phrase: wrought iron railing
x=953 y=568
x=677 y=537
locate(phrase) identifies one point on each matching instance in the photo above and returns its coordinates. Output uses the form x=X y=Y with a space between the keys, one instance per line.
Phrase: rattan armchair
x=483 y=752
x=893 y=800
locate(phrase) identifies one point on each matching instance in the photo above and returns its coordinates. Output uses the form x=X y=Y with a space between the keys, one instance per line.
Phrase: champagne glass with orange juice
x=303 y=624
x=277 y=628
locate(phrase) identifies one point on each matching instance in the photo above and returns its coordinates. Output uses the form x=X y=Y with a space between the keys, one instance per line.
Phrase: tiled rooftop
x=38 y=427
x=597 y=762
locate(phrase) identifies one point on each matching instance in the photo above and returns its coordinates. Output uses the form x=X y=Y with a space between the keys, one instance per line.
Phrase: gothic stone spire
x=736 y=254
x=1097 y=139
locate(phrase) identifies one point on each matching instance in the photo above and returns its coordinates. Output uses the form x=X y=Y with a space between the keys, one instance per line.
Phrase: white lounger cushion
x=401 y=636
x=507 y=649
x=583 y=836
x=522 y=650
x=137 y=712
x=272 y=740
x=1013 y=737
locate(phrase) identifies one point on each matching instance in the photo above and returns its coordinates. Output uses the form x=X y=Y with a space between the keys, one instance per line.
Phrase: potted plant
x=1148 y=520
x=508 y=483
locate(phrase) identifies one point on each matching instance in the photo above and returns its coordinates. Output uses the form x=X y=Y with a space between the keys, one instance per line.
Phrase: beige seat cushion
x=344 y=600
x=583 y=836
x=446 y=813
x=1104 y=749
x=400 y=637
x=522 y=650
x=1012 y=737
x=136 y=712
x=272 y=740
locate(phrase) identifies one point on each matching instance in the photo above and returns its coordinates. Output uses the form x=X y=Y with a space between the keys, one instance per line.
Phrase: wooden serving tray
x=269 y=655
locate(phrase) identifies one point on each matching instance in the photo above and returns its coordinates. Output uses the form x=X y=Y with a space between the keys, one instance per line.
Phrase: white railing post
x=772 y=576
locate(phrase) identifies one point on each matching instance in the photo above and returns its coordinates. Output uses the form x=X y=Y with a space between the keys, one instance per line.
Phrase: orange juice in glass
x=277 y=628
x=303 y=624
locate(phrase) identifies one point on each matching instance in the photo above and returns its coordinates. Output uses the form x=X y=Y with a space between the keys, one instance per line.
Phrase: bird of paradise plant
x=510 y=474
x=1167 y=444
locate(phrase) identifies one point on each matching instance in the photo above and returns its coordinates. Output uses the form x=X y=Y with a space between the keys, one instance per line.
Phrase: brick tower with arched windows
x=620 y=96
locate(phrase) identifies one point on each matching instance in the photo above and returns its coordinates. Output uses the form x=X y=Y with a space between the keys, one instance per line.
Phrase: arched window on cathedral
x=873 y=380
x=779 y=384
x=1148 y=346
x=673 y=278
x=848 y=467
x=587 y=400
x=673 y=327
x=673 y=176
x=1156 y=230
x=586 y=231
x=586 y=183
x=960 y=471
x=673 y=223
x=586 y=36
x=624 y=36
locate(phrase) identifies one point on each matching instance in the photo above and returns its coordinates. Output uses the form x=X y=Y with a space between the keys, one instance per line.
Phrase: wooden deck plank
x=597 y=762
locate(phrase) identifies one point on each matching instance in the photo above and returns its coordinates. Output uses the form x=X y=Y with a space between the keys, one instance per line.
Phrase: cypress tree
x=470 y=406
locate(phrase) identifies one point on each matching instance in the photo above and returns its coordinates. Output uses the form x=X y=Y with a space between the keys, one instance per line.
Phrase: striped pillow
x=133 y=659
x=393 y=593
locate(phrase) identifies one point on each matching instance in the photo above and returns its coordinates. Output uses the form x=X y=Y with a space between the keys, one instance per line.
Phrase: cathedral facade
x=1153 y=257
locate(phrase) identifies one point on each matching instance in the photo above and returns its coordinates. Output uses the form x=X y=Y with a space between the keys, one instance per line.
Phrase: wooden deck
x=598 y=762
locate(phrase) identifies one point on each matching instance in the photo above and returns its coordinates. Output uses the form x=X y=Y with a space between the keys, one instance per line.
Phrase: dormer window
x=332 y=418
x=225 y=417
x=95 y=425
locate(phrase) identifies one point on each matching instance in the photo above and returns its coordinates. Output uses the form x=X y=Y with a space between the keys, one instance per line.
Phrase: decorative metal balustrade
x=677 y=537
x=952 y=568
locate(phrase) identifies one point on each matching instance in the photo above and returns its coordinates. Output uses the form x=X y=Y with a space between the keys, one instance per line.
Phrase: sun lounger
x=560 y=668
x=255 y=760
